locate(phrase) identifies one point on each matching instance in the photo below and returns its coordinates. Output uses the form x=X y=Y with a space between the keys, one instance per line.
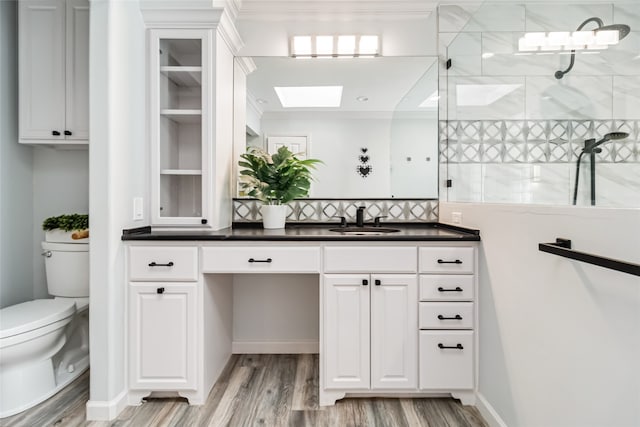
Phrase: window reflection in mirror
x=372 y=121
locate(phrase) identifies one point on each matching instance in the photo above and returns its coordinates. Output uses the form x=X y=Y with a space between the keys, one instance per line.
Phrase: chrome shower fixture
x=621 y=29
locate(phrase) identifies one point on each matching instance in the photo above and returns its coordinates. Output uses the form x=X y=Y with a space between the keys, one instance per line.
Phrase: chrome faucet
x=360 y=216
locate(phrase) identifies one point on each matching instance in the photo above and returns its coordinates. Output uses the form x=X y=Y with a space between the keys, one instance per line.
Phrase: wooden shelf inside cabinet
x=183 y=76
x=182 y=116
x=181 y=172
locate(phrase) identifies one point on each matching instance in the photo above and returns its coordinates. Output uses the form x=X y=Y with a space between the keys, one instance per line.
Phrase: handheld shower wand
x=591 y=148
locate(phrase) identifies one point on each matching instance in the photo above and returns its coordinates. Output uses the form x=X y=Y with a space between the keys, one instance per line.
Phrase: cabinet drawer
x=446 y=368
x=447 y=260
x=446 y=315
x=446 y=288
x=364 y=259
x=260 y=259
x=163 y=263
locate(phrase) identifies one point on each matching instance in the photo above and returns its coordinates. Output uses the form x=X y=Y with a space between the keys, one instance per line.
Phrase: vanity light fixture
x=335 y=46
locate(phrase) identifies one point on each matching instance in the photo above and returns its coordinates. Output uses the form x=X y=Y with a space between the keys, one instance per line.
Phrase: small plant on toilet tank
x=67 y=228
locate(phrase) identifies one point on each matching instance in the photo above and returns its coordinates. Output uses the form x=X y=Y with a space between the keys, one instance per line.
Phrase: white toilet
x=44 y=344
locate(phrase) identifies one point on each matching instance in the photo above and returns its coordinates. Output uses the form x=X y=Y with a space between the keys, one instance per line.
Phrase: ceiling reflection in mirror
x=372 y=121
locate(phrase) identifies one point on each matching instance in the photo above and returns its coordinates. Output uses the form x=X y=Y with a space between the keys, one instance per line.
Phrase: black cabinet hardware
x=268 y=260
x=365 y=282
x=203 y=221
x=160 y=290
x=562 y=247
x=456 y=317
x=55 y=133
x=456 y=289
x=155 y=264
x=378 y=282
x=455 y=347
x=440 y=261
x=68 y=132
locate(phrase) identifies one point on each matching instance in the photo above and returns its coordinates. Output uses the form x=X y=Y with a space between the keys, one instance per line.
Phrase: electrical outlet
x=138 y=213
x=456 y=217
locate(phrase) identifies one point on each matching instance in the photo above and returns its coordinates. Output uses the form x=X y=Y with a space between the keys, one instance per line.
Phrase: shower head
x=622 y=29
x=591 y=144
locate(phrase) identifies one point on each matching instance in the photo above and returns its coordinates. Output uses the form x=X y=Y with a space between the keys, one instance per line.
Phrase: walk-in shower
x=591 y=148
x=623 y=31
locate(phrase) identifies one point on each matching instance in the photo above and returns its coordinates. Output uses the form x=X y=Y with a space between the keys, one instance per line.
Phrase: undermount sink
x=364 y=231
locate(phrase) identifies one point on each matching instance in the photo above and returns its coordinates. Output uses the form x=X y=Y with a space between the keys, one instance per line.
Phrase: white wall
x=560 y=343
x=60 y=186
x=118 y=171
x=16 y=182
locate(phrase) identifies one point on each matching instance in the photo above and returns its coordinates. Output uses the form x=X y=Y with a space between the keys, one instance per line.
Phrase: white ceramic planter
x=273 y=216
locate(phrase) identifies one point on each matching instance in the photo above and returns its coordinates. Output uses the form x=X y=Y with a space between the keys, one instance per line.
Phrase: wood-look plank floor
x=256 y=390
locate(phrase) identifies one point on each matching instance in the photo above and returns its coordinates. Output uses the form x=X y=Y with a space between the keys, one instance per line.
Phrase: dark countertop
x=309 y=232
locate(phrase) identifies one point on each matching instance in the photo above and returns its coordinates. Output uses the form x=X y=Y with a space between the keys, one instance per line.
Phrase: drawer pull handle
x=155 y=264
x=457 y=289
x=456 y=317
x=160 y=290
x=378 y=282
x=268 y=260
x=441 y=261
x=365 y=282
x=456 y=347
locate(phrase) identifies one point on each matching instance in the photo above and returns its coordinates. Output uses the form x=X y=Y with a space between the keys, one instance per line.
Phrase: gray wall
x=16 y=182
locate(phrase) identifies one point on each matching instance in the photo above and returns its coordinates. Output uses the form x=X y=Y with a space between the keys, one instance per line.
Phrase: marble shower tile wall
x=328 y=210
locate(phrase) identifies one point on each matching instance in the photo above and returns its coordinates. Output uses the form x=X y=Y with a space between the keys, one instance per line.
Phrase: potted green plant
x=67 y=228
x=275 y=180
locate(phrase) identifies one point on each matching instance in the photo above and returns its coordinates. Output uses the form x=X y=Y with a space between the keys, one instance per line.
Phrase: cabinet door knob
x=455 y=347
x=365 y=282
x=377 y=282
x=68 y=132
x=160 y=290
x=155 y=264
x=203 y=221
x=456 y=317
x=55 y=133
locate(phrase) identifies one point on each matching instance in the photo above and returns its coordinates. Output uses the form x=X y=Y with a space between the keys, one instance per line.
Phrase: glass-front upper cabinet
x=180 y=133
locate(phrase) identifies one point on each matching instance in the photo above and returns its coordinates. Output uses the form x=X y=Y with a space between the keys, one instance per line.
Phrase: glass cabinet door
x=178 y=134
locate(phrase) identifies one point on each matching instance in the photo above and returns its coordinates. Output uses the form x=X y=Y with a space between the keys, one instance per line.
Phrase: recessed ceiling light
x=309 y=96
x=362 y=99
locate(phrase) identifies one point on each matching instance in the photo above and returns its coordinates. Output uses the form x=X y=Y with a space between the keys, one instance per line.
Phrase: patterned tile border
x=324 y=210
x=534 y=141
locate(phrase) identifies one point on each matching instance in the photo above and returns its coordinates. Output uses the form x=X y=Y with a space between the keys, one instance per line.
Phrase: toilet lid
x=31 y=315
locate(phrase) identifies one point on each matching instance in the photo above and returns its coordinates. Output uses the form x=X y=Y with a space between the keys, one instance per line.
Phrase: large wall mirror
x=376 y=131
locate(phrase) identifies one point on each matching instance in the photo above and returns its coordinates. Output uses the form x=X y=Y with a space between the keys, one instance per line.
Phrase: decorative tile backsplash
x=328 y=210
x=534 y=141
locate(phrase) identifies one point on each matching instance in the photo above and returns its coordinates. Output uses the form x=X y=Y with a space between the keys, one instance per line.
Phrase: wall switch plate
x=138 y=213
x=456 y=217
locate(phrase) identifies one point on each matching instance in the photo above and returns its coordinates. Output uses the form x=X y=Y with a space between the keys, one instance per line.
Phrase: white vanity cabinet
x=54 y=71
x=163 y=294
x=447 y=320
x=369 y=332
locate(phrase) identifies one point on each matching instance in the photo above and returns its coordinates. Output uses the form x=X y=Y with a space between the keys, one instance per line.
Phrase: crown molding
x=286 y=9
x=180 y=14
x=246 y=64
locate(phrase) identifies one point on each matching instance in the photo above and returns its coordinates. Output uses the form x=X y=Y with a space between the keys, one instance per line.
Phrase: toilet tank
x=67 y=269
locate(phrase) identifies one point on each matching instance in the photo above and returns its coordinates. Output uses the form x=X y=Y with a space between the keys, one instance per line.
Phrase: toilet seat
x=31 y=315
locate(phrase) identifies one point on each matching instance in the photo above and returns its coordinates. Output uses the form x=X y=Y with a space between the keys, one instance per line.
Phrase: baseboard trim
x=488 y=412
x=275 y=347
x=106 y=410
